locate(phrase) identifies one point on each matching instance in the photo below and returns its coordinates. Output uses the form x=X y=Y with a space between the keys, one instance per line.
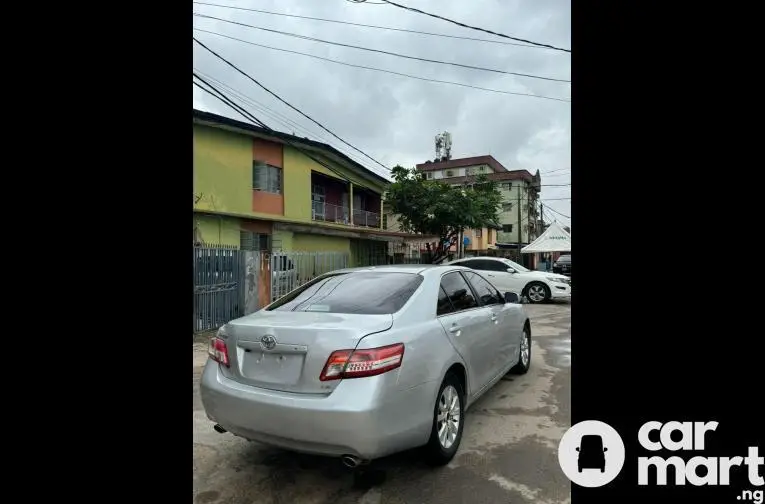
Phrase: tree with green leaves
x=434 y=208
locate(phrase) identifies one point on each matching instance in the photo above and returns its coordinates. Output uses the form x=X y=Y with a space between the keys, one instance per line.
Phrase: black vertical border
x=665 y=315
x=99 y=389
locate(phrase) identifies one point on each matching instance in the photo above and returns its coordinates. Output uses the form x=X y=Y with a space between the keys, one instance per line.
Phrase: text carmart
x=716 y=469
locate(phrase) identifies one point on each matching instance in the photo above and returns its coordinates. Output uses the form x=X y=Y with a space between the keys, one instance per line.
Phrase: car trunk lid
x=287 y=351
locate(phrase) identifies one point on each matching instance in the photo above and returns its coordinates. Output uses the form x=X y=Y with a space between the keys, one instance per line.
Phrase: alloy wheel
x=448 y=418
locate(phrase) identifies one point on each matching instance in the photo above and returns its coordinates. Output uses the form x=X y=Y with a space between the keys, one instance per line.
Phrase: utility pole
x=542 y=215
x=520 y=234
x=529 y=216
x=542 y=230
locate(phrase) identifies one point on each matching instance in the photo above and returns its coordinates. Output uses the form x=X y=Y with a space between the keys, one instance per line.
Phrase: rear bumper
x=365 y=417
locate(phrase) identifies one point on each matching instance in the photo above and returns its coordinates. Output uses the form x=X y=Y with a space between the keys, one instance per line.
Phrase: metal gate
x=218 y=286
x=290 y=270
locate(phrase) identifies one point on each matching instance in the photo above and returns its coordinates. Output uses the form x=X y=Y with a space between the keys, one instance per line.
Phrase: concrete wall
x=460 y=172
x=320 y=243
x=519 y=189
x=297 y=183
x=218 y=230
x=222 y=171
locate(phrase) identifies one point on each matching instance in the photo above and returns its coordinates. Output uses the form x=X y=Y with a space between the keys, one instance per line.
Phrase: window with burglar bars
x=254 y=241
x=266 y=178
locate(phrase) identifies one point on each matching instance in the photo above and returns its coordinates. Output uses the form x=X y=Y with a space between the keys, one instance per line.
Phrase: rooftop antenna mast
x=443 y=146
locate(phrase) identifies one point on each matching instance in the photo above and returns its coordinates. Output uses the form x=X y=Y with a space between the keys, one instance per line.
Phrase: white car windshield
x=515 y=266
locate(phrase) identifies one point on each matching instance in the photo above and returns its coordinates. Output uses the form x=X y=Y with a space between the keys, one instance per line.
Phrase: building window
x=254 y=241
x=449 y=173
x=478 y=233
x=266 y=178
x=507 y=206
x=385 y=221
x=507 y=228
x=429 y=175
x=507 y=185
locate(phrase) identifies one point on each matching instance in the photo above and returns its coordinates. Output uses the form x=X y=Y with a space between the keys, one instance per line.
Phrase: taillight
x=218 y=351
x=359 y=363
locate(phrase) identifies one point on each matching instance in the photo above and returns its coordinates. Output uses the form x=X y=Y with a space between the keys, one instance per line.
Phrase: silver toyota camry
x=365 y=362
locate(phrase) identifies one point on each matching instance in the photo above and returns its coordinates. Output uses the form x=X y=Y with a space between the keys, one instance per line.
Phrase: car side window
x=496 y=266
x=458 y=292
x=472 y=264
x=444 y=306
x=481 y=265
x=486 y=293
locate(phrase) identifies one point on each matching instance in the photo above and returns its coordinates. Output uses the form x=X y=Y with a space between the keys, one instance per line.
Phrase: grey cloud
x=392 y=118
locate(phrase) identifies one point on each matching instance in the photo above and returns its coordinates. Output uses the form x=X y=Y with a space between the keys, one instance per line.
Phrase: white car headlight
x=558 y=280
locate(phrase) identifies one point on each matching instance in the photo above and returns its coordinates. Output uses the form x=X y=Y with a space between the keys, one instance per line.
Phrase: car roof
x=490 y=258
x=404 y=268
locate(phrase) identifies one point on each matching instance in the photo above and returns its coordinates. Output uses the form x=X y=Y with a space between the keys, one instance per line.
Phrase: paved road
x=508 y=452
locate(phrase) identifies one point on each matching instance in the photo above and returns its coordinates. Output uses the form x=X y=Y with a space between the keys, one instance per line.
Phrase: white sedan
x=536 y=286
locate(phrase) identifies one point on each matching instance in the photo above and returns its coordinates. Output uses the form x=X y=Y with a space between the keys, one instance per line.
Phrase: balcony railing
x=328 y=212
x=365 y=218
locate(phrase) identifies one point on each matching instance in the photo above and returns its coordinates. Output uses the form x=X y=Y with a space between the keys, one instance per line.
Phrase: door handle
x=454 y=329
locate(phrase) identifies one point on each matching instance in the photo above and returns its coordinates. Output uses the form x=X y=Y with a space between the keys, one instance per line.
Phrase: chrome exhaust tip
x=219 y=429
x=351 y=461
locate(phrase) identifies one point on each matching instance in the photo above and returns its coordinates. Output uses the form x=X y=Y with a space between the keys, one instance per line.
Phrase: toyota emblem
x=268 y=342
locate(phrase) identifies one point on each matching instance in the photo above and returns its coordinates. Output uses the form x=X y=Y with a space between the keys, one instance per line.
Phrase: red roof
x=461 y=163
x=497 y=177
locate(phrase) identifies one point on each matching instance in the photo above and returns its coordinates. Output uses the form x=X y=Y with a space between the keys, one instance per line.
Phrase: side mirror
x=605 y=449
x=577 y=448
x=511 y=297
x=510 y=270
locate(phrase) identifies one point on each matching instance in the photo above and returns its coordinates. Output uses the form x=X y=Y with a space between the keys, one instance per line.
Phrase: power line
x=474 y=27
x=556 y=170
x=378 y=27
x=557 y=175
x=220 y=96
x=426 y=79
x=287 y=103
x=557 y=212
x=243 y=112
x=276 y=116
x=556 y=199
x=389 y=53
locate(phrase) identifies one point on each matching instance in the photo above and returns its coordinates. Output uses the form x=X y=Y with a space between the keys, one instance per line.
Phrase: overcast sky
x=394 y=119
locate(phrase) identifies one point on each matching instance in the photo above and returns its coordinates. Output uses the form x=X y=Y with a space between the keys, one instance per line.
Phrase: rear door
x=505 y=339
x=468 y=326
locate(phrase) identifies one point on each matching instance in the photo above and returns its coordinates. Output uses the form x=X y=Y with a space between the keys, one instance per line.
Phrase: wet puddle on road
x=559 y=352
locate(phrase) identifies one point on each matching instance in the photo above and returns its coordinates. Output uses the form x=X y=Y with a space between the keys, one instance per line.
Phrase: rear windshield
x=564 y=258
x=367 y=293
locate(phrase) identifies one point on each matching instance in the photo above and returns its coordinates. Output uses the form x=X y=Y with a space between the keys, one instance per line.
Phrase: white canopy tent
x=554 y=239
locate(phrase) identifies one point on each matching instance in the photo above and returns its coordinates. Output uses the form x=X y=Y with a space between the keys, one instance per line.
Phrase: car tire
x=537 y=292
x=524 y=360
x=440 y=451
